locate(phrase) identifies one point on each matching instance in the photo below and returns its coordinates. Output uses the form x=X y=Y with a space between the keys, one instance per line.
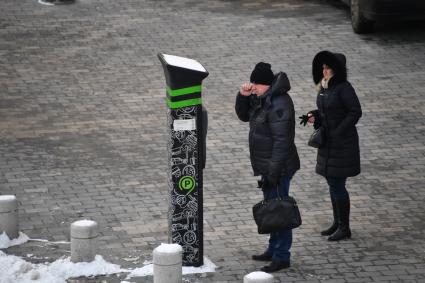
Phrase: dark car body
x=364 y=13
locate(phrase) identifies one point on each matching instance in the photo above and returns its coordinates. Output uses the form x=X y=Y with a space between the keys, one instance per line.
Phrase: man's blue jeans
x=280 y=242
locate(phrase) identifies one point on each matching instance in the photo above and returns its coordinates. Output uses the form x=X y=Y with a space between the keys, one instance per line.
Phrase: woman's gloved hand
x=304 y=120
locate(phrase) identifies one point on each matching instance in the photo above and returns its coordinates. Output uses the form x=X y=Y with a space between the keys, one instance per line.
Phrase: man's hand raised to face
x=245 y=89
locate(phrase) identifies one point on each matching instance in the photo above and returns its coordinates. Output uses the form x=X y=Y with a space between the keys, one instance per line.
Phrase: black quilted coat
x=272 y=129
x=338 y=112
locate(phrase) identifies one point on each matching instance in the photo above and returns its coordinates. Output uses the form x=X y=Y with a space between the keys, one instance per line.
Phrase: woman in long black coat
x=338 y=111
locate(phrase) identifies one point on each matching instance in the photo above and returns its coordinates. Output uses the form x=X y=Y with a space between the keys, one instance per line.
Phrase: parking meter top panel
x=183 y=62
x=183 y=77
x=181 y=72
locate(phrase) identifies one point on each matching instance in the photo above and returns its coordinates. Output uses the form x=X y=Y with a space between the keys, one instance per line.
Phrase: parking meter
x=185 y=154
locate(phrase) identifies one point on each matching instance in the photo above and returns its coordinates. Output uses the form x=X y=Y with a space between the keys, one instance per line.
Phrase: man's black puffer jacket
x=272 y=129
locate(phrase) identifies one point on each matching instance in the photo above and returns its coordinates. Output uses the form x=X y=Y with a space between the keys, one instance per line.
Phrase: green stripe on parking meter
x=183 y=91
x=184 y=103
x=180 y=93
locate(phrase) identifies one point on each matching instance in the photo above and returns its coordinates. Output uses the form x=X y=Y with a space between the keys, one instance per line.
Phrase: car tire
x=359 y=23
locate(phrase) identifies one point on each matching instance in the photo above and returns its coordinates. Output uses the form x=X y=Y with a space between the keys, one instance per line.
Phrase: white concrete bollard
x=9 y=216
x=167 y=263
x=258 y=277
x=83 y=241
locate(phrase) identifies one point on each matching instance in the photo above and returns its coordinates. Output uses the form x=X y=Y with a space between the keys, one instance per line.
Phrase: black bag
x=317 y=138
x=276 y=215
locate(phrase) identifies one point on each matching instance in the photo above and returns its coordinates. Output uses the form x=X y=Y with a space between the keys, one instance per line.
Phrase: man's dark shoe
x=262 y=257
x=276 y=266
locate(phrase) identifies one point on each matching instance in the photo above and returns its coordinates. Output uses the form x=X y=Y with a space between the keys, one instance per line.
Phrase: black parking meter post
x=185 y=153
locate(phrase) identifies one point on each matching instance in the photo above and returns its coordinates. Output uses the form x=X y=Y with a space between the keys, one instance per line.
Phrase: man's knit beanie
x=262 y=74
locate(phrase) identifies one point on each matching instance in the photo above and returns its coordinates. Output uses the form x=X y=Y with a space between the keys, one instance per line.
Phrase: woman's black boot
x=343 y=231
x=334 y=226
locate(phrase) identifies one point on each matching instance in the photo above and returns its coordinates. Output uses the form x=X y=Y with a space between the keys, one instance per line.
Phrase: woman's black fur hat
x=336 y=61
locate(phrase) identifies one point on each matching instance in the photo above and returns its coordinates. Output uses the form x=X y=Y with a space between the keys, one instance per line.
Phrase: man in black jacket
x=266 y=105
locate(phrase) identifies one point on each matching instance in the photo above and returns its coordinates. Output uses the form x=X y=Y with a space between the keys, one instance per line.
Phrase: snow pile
x=5 y=242
x=45 y=3
x=64 y=268
x=84 y=223
x=48 y=242
x=15 y=269
x=259 y=275
x=148 y=269
x=140 y=272
x=169 y=248
x=7 y=197
x=208 y=266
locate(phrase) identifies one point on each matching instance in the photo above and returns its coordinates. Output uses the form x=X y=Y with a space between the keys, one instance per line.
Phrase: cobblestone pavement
x=82 y=122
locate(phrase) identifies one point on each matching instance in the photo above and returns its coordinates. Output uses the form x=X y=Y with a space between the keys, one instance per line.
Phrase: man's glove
x=260 y=184
x=304 y=119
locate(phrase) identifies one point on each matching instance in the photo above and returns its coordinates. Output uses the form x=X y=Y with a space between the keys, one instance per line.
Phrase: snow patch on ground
x=5 y=242
x=208 y=266
x=140 y=272
x=258 y=276
x=49 y=242
x=15 y=269
x=7 y=197
x=45 y=3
